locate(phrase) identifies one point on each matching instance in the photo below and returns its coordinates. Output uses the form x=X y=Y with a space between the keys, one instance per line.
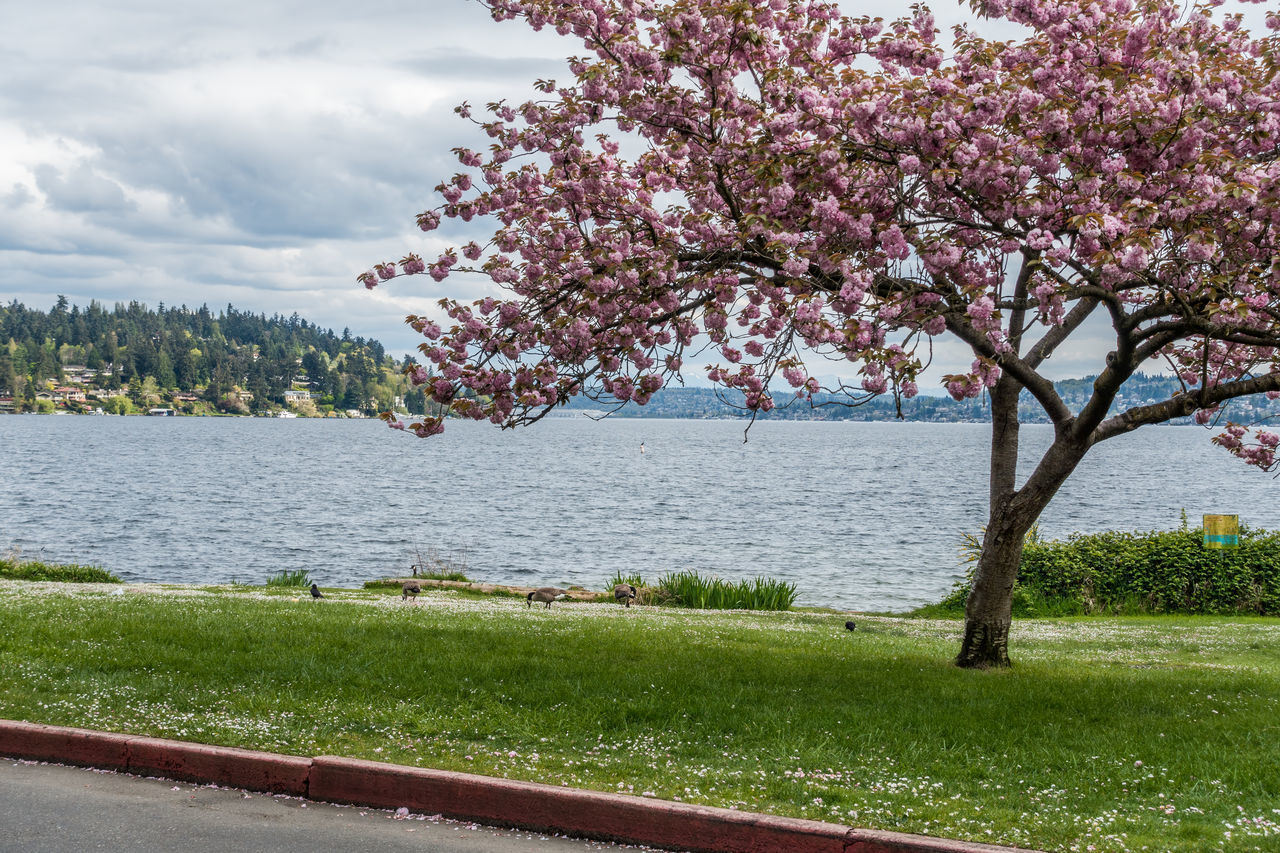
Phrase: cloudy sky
x=254 y=152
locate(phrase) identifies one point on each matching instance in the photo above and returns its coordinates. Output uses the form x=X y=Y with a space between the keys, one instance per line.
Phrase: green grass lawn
x=1108 y=734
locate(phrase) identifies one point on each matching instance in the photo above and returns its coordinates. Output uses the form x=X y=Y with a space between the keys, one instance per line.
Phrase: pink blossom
x=981 y=309
x=1039 y=238
x=1134 y=258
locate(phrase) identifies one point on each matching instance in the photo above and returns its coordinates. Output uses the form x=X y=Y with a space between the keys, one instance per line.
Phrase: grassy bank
x=1123 y=734
x=16 y=567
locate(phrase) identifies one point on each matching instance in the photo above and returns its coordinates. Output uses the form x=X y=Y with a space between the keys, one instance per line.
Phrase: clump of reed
x=444 y=576
x=441 y=567
x=290 y=578
x=690 y=589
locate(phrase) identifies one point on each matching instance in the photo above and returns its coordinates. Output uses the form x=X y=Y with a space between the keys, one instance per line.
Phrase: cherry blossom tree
x=756 y=181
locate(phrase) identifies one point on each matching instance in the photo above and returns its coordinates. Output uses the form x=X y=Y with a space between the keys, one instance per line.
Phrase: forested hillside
x=135 y=357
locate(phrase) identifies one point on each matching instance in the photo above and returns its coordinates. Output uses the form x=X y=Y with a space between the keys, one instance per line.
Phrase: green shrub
x=31 y=570
x=1164 y=571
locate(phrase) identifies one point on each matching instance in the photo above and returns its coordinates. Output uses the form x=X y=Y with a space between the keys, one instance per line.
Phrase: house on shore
x=68 y=394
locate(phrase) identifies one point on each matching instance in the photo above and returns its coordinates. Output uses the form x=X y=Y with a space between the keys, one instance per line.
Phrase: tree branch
x=1046 y=346
x=1181 y=404
x=1042 y=389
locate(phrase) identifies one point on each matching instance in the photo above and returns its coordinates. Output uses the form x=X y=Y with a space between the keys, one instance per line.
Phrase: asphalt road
x=49 y=808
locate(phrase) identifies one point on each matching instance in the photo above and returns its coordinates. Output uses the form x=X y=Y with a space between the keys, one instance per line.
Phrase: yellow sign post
x=1222 y=531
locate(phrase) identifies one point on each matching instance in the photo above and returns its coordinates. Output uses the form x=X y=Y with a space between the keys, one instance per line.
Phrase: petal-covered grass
x=1108 y=734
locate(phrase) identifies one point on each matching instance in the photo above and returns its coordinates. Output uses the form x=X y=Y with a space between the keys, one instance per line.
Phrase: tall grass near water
x=690 y=589
x=14 y=566
x=290 y=579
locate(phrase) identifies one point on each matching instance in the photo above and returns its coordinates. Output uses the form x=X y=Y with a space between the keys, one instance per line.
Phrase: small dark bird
x=849 y=626
x=315 y=592
x=410 y=589
x=624 y=593
x=546 y=593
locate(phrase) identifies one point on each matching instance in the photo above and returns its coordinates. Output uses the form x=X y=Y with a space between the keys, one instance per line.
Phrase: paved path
x=49 y=808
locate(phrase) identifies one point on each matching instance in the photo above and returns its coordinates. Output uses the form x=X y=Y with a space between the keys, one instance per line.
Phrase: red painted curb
x=600 y=815
x=71 y=746
x=484 y=799
x=591 y=814
x=196 y=762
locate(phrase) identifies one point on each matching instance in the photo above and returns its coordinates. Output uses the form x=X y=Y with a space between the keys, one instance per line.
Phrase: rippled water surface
x=862 y=516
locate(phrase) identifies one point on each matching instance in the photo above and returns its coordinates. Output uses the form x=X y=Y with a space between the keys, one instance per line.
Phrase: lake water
x=862 y=516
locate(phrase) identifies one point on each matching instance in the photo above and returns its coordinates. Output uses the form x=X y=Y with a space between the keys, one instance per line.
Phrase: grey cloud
x=309 y=180
x=516 y=72
x=17 y=197
x=82 y=190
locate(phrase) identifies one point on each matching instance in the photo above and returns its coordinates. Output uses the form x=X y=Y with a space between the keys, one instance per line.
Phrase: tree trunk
x=988 y=610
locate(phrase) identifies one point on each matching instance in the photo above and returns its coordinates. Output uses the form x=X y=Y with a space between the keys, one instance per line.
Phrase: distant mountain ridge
x=1141 y=389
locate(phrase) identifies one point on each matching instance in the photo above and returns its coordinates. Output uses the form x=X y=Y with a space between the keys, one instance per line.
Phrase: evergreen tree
x=8 y=376
x=165 y=375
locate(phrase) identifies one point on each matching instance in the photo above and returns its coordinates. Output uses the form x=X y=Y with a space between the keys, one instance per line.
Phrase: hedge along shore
x=483 y=799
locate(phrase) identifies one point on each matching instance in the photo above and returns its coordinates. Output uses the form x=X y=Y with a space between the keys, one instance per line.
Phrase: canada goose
x=624 y=593
x=410 y=589
x=546 y=593
x=315 y=592
x=414 y=568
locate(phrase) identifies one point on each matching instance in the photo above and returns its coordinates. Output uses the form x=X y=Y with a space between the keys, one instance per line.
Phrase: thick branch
x=1042 y=389
x=1046 y=346
x=1183 y=404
